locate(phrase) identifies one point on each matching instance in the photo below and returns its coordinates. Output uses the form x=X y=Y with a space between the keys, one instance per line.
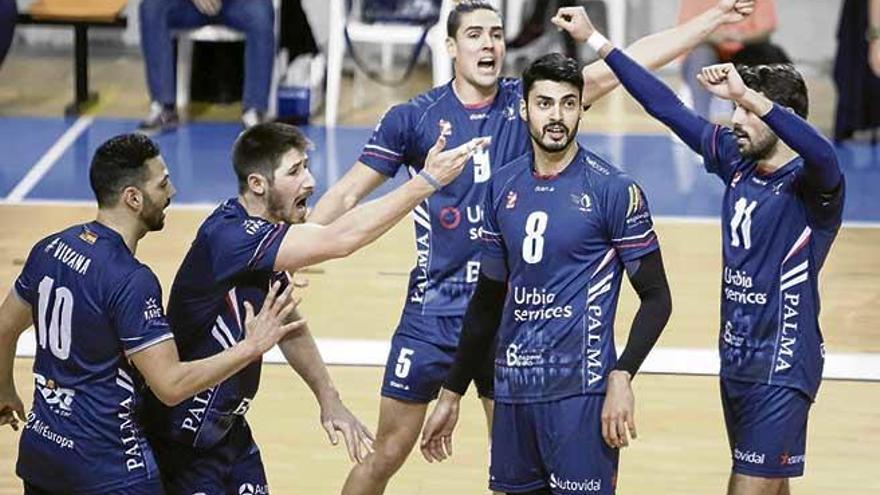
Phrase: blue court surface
x=47 y=159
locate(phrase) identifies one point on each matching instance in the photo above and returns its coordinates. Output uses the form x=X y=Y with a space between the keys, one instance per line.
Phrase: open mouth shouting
x=486 y=65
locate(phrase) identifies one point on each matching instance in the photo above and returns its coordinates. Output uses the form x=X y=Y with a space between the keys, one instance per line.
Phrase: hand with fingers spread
x=436 y=442
x=735 y=10
x=208 y=7
x=335 y=417
x=444 y=166
x=618 y=411
x=11 y=409
x=575 y=21
x=723 y=80
x=265 y=329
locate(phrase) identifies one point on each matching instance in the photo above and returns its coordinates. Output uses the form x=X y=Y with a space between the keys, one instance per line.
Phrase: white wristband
x=596 y=41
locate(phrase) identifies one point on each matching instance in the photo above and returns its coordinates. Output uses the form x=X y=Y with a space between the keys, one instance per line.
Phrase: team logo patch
x=88 y=236
x=736 y=177
x=152 y=309
x=511 y=200
x=450 y=217
x=583 y=202
x=636 y=200
x=252 y=225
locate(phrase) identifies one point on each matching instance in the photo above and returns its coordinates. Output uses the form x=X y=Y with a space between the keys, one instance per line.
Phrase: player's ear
x=257 y=184
x=133 y=198
x=451 y=47
x=523 y=110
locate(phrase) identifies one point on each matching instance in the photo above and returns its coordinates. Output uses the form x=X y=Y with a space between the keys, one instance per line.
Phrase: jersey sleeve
x=824 y=209
x=26 y=283
x=386 y=150
x=493 y=261
x=137 y=313
x=629 y=221
x=246 y=246
x=720 y=153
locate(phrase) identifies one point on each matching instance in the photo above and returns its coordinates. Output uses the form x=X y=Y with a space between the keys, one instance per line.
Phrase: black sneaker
x=160 y=120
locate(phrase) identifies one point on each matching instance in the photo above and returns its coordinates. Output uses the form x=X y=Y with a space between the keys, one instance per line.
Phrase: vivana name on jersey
x=531 y=296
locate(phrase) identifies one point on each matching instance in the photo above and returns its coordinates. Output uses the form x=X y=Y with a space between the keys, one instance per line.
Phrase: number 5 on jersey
x=403 y=362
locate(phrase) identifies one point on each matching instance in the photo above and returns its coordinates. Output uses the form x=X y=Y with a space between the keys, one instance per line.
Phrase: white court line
x=863 y=366
x=670 y=219
x=47 y=161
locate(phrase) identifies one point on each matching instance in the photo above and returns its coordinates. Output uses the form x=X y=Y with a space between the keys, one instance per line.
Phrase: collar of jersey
x=578 y=157
x=473 y=107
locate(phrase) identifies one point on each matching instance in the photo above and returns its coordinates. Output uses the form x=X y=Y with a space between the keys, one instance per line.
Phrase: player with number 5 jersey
x=561 y=227
x=476 y=103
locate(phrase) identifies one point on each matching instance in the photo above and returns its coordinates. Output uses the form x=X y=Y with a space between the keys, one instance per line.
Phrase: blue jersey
x=93 y=305
x=230 y=261
x=447 y=224
x=563 y=242
x=776 y=233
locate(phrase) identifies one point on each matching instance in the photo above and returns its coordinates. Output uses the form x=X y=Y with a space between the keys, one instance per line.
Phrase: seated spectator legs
x=158 y=20
x=255 y=18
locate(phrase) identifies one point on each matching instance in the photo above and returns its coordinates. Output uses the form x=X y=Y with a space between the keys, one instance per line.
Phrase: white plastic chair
x=217 y=33
x=388 y=34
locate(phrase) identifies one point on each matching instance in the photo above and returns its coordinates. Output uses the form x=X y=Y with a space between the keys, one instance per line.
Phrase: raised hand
x=723 y=80
x=735 y=10
x=576 y=21
x=444 y=166
x=265 y=329
x=437 y=434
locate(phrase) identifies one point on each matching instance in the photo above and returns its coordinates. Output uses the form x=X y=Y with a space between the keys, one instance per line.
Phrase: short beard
x=555 y=148
x=275 y=207
x=760 y=150
x=152 y=215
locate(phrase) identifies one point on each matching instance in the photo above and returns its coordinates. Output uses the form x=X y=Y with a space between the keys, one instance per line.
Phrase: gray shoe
x=160 y=120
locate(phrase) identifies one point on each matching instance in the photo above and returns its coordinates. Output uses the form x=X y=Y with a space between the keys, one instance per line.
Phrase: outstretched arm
x=657 y=99
x=658 y=49
x=821 y=168
x=347 y=192
x=309 y=244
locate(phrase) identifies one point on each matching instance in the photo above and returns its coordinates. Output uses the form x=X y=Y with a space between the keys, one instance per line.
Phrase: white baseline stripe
x=665 y=219
x=47 y=161
x=665 y=360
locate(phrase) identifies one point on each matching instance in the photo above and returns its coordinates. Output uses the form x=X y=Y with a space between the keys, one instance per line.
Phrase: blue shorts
x=416 y=369
x=233 y=465
x=147 y=487
x=552 y=444
x=766 y=428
